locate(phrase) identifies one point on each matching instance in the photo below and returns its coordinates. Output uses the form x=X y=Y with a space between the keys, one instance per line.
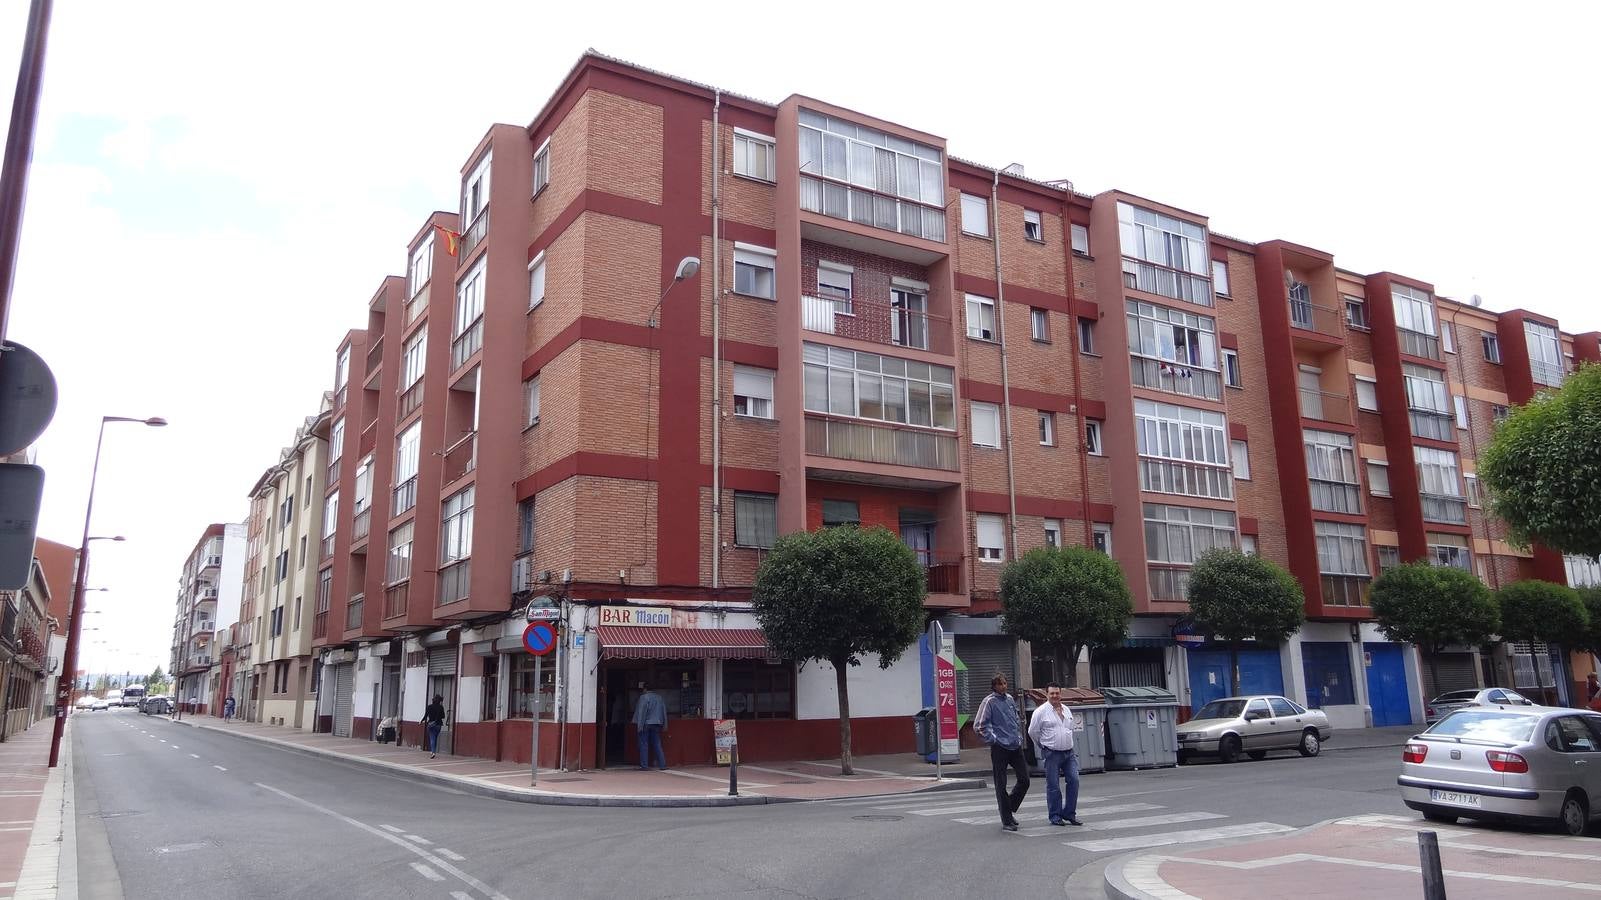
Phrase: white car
x=85 y=702
x=101 y=703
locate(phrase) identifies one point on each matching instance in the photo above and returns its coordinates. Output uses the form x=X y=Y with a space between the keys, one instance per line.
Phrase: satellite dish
x=1476 y=300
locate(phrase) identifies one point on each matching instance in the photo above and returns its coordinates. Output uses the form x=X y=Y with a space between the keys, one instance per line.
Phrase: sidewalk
x=1373 y=857
x=34 y=804
x=759 y=783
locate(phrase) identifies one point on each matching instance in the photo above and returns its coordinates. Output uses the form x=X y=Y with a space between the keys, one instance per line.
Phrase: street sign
x=27 y=397
x=725 y=738
x=539 y=638
x=21 y=489
x=542 y=613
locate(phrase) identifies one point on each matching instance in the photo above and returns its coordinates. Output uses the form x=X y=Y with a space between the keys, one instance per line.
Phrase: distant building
x=210 y=579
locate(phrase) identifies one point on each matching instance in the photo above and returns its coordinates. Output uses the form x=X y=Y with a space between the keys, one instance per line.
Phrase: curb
x=518 y=795
x=1119 y=888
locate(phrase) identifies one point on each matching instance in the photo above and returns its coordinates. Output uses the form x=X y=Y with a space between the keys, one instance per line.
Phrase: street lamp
x=69 y=656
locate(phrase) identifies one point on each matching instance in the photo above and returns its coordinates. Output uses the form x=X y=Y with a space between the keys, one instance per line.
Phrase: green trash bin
x=1141 y=727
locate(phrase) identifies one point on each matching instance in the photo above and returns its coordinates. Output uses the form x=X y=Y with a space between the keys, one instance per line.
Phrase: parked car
x=158 y=705
x=101 y=703
x=1451 y=701
x=1230 y=726
x=1520 y=763
x=87 y=701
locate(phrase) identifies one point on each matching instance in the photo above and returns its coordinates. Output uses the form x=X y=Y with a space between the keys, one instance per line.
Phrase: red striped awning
x=645 y=642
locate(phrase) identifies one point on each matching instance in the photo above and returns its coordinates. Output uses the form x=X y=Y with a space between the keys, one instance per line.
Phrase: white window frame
x=1342 y=548
x=1491 y=345
x=980 y=308
x=541 y=168
x=757 y=259
x=1047 y=428
x=1447 y=337
x=330 y=513
x=1414 y=309
x=1220 y=277
x=1031 y=217
x=1233 y=376
x=1470 y=484
x=1093 y=437
x=1241 y=452
x=975 y=209
x=397 y=565
x=753 y=392
x=745 y=504
x=1356 y=303
x=531 y=402
x=989 y=536
x=985 y=423
x=479 y=178
x=1101 y=534
x=745 y=143
x=363 y=492
x=414 y=359
x=1053 y=532
x=1248 y=544
x=456 y=527
x=1461 y=404
x=407 y=447
x=421 y=267
x=1374 y=467
x=470 y=297
x=1367 y=393
x=336 y=441
x=1039 y=324
x=841 y=286
x=536 y=280
x=1439 y=471
x=1086 y=336
x=1080 y=236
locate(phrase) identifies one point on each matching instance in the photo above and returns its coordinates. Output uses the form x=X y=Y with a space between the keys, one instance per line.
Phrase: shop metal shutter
x=1456 y=674
x=344 y=698
x=442 y=661
x=983 y=655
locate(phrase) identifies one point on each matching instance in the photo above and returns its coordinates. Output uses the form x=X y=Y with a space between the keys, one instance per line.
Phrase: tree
x=1589 y=640
x=1239 y=597
x=1065 y=599
x=1433 y=607
x=1543 y=468
x=1541 y=611
x=837 y=595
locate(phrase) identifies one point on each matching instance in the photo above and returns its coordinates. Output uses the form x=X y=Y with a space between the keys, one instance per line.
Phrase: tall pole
x=19 y=153
x=69 y=656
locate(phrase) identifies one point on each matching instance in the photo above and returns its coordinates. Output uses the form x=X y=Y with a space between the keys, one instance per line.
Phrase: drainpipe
x=717 y=345
x=1078 y=388
x=1000 y=335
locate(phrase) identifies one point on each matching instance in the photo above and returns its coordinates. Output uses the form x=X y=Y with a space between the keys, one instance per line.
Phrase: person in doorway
x=433 y=719
x=228 y=707
x=650 y=717
x=997 y=724
x=1592 y=692
x=1052 y=730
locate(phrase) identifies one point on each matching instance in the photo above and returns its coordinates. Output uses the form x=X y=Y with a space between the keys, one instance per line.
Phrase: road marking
x=415 y=839
x=393 y=829
x=1464 y=845
x=1300 y=858
x=1123 y=807
x=1136 y=842
x=219 y=768
x=1146 y=821
x=426 y=872
x=460 y=895
x=194 y=756
x=449 y=854
x=980 y=807
x=470 y=881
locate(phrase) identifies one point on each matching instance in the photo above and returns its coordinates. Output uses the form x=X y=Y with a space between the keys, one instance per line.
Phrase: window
x=336 y=442
x=421 y=267
x=975 y=215
x=1448 y=337
x=1101 y=535
x=412 y=359
x=850 y=171
x=342 y=367
x=1492 y=347
x=1545 y=356
x=1461 y=404
x=1248 y=544
x=297 y=612
x=525 y=696
x=1081 y=239
x=536 y=281
x=1220 y=277
x=872 y=386
x=456 y=527
x=301 y=563
x=1047 y=428
x=1053 y=532
x=330 y=514
x=1389 y=557
x=753 y=392
x=1331 y=471
x=531 y=402
x=1231 y=369
x=475 y=191
x=834 y=284
x=1471 y=485
x=1032 y=228
x=1086 y=336
x=754 y=156
x=1342 y=549
x=755 y=519
x=1414 y=310
x=277 y=629
x=1428 y=403
x=754 y=269
x=1356 y=313
x=1499 y=413
x=1164 y=255
x=1092 y=436
x=756 y=689
x=841 y=512
x=525 y=526
x=1182 y=450
x=406 y=449
x=325 y=589
x=1449 y=550
x=1179 y=535
x=470 y=298
x=991 y=535
x=1437 y=472
x=1378 y=478
x=541 y=168
x=1039 y=322
x=1367 y=393
x=1174 y=351
x=1242 y=459
x=986 y=424
x=980 y=317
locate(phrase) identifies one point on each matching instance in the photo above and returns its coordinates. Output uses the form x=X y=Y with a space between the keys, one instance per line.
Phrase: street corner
x=1375 y=855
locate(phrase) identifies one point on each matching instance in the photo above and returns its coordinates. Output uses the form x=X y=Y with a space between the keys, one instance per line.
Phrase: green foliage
x=1590 y=638
x=839 y=593
x=1541 y=611
x=1433 y=606
x=1543 y=468
x=1238 y=596
x=1065 y=599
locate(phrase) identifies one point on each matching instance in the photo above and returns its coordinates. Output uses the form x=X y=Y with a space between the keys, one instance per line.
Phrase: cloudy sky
x=218 y=187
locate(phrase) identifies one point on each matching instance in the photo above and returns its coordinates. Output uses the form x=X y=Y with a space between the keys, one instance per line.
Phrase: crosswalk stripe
x=1122 y=807
x=1140 y=841
x=1031 y=803
x=1147 y=821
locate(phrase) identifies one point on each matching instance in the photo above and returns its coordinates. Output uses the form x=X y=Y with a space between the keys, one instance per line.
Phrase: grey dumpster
x=926 y=723
x=1141 y=727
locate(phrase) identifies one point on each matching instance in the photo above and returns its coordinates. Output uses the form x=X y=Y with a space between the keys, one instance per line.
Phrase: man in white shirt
x=1051 y=729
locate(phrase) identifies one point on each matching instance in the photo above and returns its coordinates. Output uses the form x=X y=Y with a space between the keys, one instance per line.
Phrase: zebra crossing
x=1127 y=822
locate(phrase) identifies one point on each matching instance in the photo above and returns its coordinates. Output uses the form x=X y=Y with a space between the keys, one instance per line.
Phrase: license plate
x=1454 y=798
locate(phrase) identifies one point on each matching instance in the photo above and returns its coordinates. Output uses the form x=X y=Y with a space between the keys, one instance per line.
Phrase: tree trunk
x=845 y=767
x=1234 y=668
x=1070 y=666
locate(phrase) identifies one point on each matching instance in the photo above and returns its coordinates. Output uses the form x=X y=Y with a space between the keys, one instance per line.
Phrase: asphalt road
x=167 y=811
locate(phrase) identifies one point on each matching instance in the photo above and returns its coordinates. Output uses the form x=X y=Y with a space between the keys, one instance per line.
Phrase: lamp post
x=69 y=656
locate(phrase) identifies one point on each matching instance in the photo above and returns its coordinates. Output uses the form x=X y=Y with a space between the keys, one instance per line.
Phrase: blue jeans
x=1065 y=764
x=433 y=736
x=650 y=738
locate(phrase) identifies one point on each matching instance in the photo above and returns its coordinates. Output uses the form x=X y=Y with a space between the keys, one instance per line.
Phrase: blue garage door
x=1387 y=692
x=1209 y=674
x=1327 y=666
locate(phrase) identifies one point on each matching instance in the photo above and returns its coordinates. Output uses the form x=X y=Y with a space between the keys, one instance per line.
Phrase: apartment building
x=210 y=580
x=668 y=324
x=59 y=563
x=288 y=538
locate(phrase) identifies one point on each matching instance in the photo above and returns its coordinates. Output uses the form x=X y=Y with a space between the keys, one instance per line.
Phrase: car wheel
x=1257 y=754
x=1228 y=749
x=1575 y=815
x=1442 y=818
x=1310 y=745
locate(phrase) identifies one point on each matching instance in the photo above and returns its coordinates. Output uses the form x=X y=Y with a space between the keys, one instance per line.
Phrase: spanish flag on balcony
x=452 y=240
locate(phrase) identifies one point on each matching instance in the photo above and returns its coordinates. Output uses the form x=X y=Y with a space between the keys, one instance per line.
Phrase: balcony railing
x=1416 y=343
x=1176 y=378
x=1346 y=590
x=876 y=321
x=1335 y=496
x=1546 y=373
x=1154 y=279
x=454 y=581
x=339 y=398
x=466 y=344
x=461 y=458
x=207 y=593
x=1326 y=406
x=410 y=399
x=475 y=233
x=1427 y=423
x=353 y=611
x=1309 y=316
x=319 y=625
x=1445 y=508
x=395 y=600
x=943 y=572
x=416 y=305
x=375 y=355
x=863 y=441
x=328 y=547
x=361 y=524
x=333 y=471
x=817 y=314
x=1168 y=582
x=405 y=496
x=1168 y=476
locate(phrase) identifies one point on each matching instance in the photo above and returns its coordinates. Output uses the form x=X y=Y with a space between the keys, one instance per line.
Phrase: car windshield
x=1485 y=725
x=1221 y=709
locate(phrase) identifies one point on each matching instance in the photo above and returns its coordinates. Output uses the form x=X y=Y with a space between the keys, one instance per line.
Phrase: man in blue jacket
x=997 y=723
x=650 y=717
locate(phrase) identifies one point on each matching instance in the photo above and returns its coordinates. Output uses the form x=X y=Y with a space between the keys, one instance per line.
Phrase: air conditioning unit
x=522 y=574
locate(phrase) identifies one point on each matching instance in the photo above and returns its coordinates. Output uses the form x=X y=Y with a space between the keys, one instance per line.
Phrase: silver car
x=1231 y=726
x=1451 y=701
x=1526 y=763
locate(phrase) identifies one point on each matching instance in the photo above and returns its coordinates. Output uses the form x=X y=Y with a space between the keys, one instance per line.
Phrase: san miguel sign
x=655 y=617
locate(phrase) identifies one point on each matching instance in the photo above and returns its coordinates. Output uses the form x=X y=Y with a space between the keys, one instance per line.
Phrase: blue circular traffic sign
x=539 y=638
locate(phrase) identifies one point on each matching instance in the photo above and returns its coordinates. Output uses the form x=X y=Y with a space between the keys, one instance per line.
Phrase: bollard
x=1433 y=877
x=733 y=772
